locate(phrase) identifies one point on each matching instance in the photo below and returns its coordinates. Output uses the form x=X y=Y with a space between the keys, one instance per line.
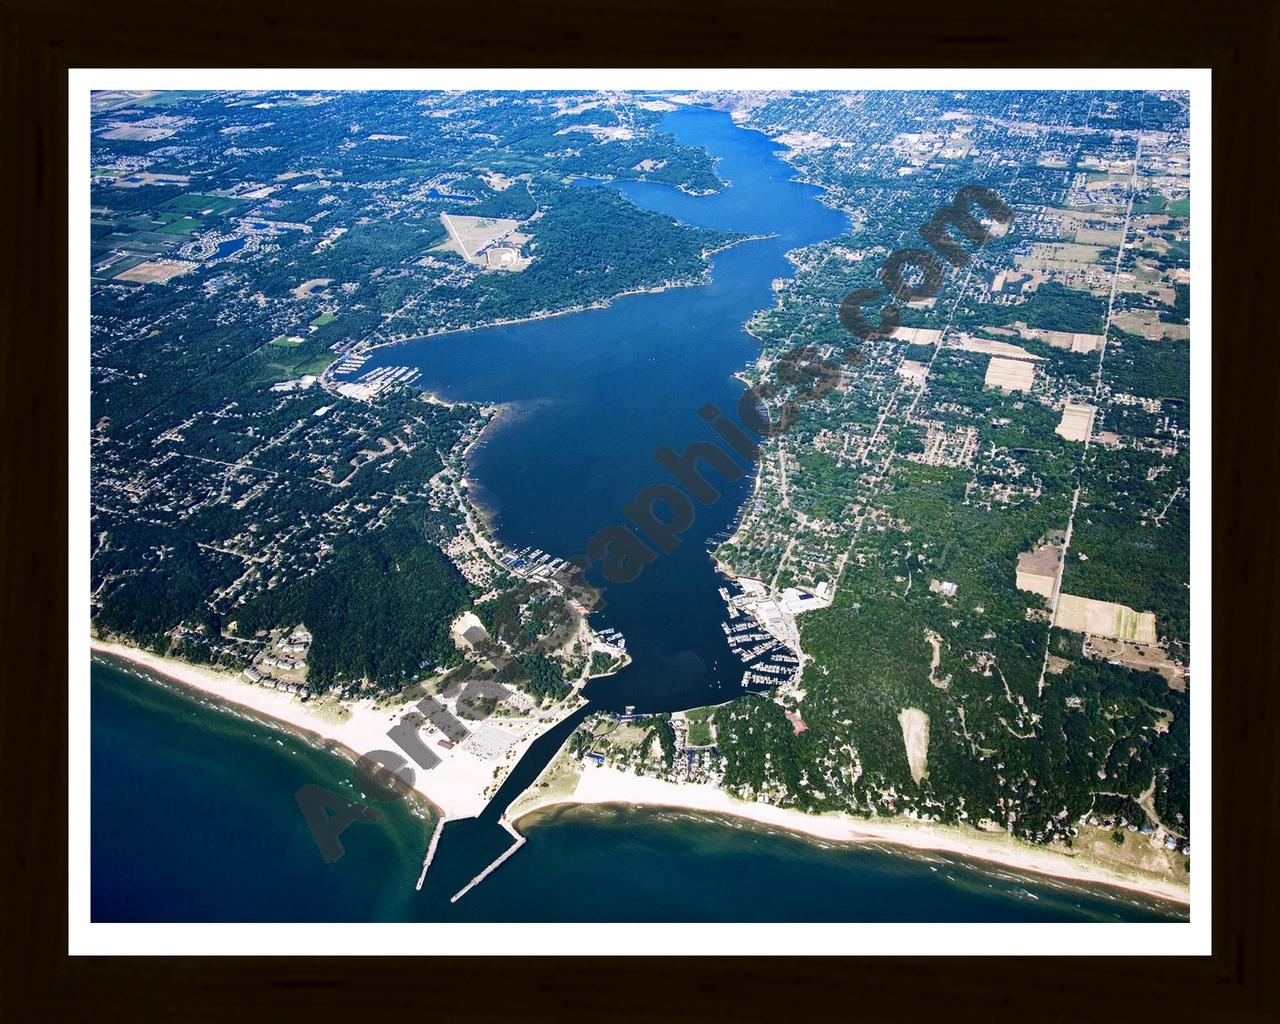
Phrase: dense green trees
x=157 y=590
x=591 y=244
x=542 y=677
x=1149 y=369
x=380 y=608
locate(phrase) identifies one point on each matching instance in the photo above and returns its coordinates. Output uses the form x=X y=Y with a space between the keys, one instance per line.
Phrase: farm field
x=157 y=271
x=1105 y=618
x=1009 y=374
x=1147 y=323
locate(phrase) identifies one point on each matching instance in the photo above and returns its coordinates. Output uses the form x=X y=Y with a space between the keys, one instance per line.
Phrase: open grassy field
x=1147 y=323
x=1099 y=236
x=1059 y=256
x=180 y=226
x=285 y=362
x=469 y=235
x=1105 y=618
x=1142 y=657
x=700 y=734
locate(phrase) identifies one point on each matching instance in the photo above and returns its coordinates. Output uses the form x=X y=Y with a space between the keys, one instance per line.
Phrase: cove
x=192 y=807
x=590 y=397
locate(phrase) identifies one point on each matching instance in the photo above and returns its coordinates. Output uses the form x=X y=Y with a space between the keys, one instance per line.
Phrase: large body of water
x=193 y=810
x=592 y=396
x=194 y=819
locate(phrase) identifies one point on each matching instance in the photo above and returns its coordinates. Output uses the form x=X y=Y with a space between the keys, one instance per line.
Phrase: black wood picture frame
x=1238 y=39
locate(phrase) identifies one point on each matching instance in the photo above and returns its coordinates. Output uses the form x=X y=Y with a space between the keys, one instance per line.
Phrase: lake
x=592 y=396
x=193 y=810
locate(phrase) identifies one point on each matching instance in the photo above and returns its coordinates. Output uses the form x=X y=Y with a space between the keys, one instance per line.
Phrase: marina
x=533 y=564
x=592 y=395
x=378 y=380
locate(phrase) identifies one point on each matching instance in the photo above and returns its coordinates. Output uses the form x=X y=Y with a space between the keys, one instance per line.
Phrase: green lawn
x=699 y=727
x=283 y=360
x=324 y=318
x=181 y=226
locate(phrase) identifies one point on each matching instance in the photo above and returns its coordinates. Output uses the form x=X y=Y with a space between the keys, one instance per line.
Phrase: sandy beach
x=458 y=787
x=604 y=784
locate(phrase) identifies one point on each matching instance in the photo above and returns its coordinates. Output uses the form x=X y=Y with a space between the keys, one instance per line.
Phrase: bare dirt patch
x=935 y=642
x=1038 y=569
x=1081 y=343
x=311 y=287
x=916 y=335
x=993 y=348
x=157 y=271
x=1139 y=656
x=915 y=737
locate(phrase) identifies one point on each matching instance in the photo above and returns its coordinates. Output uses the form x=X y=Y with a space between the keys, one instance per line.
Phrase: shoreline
x=174 y=681
x=495 y=415
x=600 y=785
x=483 y=531
x=459 y=786
x=440 y=791
x=702 y=278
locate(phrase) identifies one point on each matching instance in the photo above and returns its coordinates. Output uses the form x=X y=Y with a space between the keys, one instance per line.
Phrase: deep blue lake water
x=594 y=395
x=230 y=246
x=193 y=810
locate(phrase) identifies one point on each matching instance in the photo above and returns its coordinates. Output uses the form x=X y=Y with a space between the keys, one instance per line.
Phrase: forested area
x=593 y=243
x=542 y=676
x=1131 y=535
x=219 y=502
x=379 y=605
x=379 y=608
x=1051 y=307
x=1149 y=369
